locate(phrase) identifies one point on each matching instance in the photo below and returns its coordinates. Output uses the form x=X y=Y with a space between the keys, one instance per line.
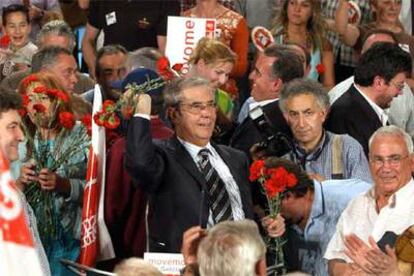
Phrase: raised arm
x=348 y=33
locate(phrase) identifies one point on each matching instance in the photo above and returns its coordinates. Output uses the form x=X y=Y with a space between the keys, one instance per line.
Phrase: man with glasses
x=362 y=243
x=190 y=180
x=401 y=111
x=379 y=78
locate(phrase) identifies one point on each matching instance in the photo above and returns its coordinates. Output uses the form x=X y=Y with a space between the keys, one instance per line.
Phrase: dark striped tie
x=217 y=193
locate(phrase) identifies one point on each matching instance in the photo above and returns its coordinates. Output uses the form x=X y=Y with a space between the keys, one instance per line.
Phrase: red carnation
x=320 y=68
x=22 y=112
x=28 y=80
x=87 y=122
x=40 y=90
x=163 y=64
x=99 y=118
x=291 y=180
x=178 y=67
x=39 y=108
x=112 y=122
x=64 y=97
x=4 y=41
x=108 y=106
x=271 y=188
x=25 y=100
x=256 y=170
x=66 y=119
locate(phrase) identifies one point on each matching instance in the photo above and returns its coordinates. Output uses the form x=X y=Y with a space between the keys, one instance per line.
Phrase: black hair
x=12 y=9
x=9 y=101
x=383 y=59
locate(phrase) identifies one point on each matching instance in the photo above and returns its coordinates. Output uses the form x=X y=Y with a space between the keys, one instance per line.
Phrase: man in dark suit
x=379 y=77
x=277 y=65
x=173 y=172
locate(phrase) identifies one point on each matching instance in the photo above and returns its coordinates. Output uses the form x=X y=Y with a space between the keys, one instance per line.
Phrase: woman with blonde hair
x=214 y=61
x=231 y=29
x=301 y=22
x=52 y=166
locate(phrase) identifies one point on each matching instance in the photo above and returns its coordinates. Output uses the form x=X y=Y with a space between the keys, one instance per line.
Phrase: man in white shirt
x=387 y=207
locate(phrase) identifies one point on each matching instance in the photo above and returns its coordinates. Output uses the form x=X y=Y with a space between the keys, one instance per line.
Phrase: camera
x=275 y=143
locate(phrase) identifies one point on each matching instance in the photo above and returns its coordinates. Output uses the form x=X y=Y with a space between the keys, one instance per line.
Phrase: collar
x=318 y=202
x=261 y=103
x=193 y=150
x=382 y=115
x=301 y=154
x=402 y=195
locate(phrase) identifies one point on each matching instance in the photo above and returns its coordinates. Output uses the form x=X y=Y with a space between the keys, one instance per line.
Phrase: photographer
x=273 y=68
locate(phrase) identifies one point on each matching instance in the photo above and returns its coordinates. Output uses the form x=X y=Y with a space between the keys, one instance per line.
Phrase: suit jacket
x=167 y=172
x=247 y=134
x=125 y=203
x=352 y=114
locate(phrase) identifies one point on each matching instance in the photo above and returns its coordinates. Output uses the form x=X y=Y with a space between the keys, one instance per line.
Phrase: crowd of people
x=330 y=101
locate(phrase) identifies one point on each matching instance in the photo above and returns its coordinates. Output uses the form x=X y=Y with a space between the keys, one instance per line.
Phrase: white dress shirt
x=361 y=218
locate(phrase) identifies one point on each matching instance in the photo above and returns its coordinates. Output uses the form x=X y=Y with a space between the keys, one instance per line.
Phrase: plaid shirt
x=348 y=55
x=188 y=4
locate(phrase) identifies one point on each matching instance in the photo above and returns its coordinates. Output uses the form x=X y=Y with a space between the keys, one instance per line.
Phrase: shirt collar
x=316 y=152
x=193 y=150
x=399 y=198
x=317 y=205
x=381 y=113
x=262 y=103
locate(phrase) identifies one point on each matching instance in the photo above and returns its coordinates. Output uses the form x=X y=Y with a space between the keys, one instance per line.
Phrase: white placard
x=167 y=263
x=183 y=33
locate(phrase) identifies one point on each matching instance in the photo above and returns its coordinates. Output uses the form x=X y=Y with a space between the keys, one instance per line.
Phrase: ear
x=324 y=114
x=200 y=65
x=378 y=82
x=276 y=87
x=172 y=115
x=261 y=267
x=412 y=161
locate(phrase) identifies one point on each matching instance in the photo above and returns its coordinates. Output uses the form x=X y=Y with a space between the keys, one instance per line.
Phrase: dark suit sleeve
x=143 y=160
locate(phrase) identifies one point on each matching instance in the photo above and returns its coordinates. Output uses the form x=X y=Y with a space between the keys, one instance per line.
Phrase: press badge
x=110 y=18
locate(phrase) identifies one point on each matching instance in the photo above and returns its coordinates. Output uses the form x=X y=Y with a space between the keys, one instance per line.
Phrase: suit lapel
x=366 y=107
x=184 y=159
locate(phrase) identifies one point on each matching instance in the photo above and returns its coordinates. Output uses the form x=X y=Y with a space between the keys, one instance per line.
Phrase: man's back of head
x=232 y=248
x=145 y=57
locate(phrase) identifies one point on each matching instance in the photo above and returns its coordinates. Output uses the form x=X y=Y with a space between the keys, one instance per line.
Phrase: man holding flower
x=190 y=180
x=310 y=209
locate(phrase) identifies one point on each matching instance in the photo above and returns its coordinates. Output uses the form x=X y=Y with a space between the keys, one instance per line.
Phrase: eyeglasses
x=197 y=107
x=393 y=160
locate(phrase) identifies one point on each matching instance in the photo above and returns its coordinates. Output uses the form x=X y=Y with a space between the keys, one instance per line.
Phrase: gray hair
x=288 y=64
x=299 y=87
x=145 y=57
x=47 y=57
x=392 y=131
x=172 y=92
x=59 y=28
x=136 y=267
x=107 y=50
x=231 y=248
